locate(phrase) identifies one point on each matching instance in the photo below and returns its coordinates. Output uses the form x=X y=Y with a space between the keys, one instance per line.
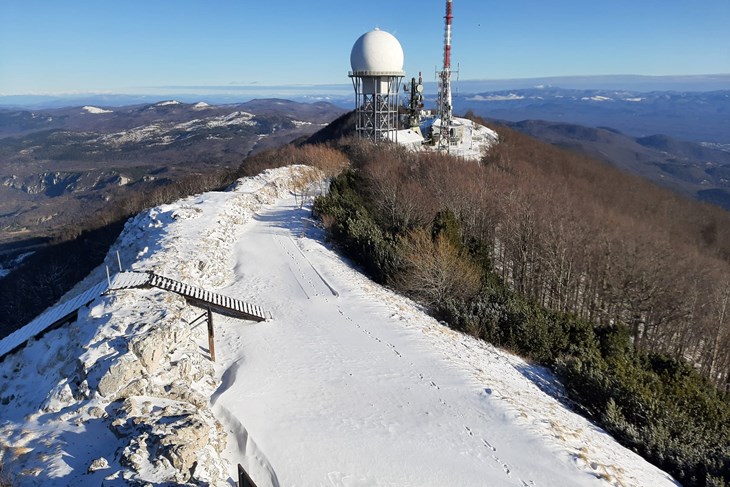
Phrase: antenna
x=415 y=104
x=445 y=103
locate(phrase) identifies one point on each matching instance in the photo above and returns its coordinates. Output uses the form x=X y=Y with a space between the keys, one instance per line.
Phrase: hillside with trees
x=620 y=287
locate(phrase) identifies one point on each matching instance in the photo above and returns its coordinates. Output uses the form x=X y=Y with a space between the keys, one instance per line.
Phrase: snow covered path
x=351 y=385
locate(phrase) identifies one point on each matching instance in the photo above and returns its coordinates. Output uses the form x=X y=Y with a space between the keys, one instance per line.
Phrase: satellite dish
x=419 y=88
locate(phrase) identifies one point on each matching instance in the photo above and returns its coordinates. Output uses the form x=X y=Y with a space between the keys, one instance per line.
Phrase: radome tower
x=377 y=70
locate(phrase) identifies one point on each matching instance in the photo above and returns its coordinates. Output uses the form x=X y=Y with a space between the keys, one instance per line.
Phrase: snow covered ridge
x=349 y=384
x=167 y=103
x=123 y=393
x=167 y=133
x=600 y=98
x=96 y=110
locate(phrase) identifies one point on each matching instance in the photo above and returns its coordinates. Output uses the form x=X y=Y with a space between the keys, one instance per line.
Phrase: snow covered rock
x=172 y=440
x=152 y=347
x=100 y=463
x=58 y=398
x=120 y=374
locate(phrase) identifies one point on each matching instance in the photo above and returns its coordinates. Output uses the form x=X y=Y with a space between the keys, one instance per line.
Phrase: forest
x=620 y=287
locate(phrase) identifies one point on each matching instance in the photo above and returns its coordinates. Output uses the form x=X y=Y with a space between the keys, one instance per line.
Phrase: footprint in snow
x=489 y=445
x=505 y=467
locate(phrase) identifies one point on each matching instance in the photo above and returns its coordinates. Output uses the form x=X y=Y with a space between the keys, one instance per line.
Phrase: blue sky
x=49 y=46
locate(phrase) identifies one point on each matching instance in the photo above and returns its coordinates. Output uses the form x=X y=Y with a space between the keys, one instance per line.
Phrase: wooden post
x=243 y=479
x=211 y=336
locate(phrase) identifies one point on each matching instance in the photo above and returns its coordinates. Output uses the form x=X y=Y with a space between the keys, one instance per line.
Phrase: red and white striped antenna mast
x=447 y=36
x=444 y=99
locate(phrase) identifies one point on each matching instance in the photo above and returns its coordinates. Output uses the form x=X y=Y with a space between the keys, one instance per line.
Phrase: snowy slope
x=347 y=385
x=96 y=110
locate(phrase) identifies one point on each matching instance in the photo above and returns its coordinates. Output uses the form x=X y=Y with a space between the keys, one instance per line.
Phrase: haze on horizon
x=136 y=47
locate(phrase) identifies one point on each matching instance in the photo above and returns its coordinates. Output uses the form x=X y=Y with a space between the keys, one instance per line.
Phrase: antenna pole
x=447 y=36
x=445 y=102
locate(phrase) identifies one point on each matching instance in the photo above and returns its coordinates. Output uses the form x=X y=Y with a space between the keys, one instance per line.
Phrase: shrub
x=433 y=270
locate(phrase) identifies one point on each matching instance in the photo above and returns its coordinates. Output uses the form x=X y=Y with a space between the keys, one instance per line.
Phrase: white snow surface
x=349 y=384
x=596 y=98
x=96 y=110
x=510 y=97
x=233 y=118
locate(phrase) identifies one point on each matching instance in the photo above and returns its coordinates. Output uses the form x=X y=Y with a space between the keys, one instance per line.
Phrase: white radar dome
x=378 y=52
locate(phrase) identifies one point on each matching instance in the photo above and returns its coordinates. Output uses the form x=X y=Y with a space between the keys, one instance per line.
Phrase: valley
x=61 y=166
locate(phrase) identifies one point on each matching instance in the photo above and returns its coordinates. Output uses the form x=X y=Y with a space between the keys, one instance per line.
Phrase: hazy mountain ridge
x=79 y=119
x=694 y=116
x=689 y=168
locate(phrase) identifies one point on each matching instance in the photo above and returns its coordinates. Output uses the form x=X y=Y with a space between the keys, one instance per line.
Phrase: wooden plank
x=211 y=336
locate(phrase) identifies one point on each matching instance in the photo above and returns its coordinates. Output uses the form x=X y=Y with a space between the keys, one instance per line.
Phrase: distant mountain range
x=341 y=93
x=693 y=116
x=57 y=165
